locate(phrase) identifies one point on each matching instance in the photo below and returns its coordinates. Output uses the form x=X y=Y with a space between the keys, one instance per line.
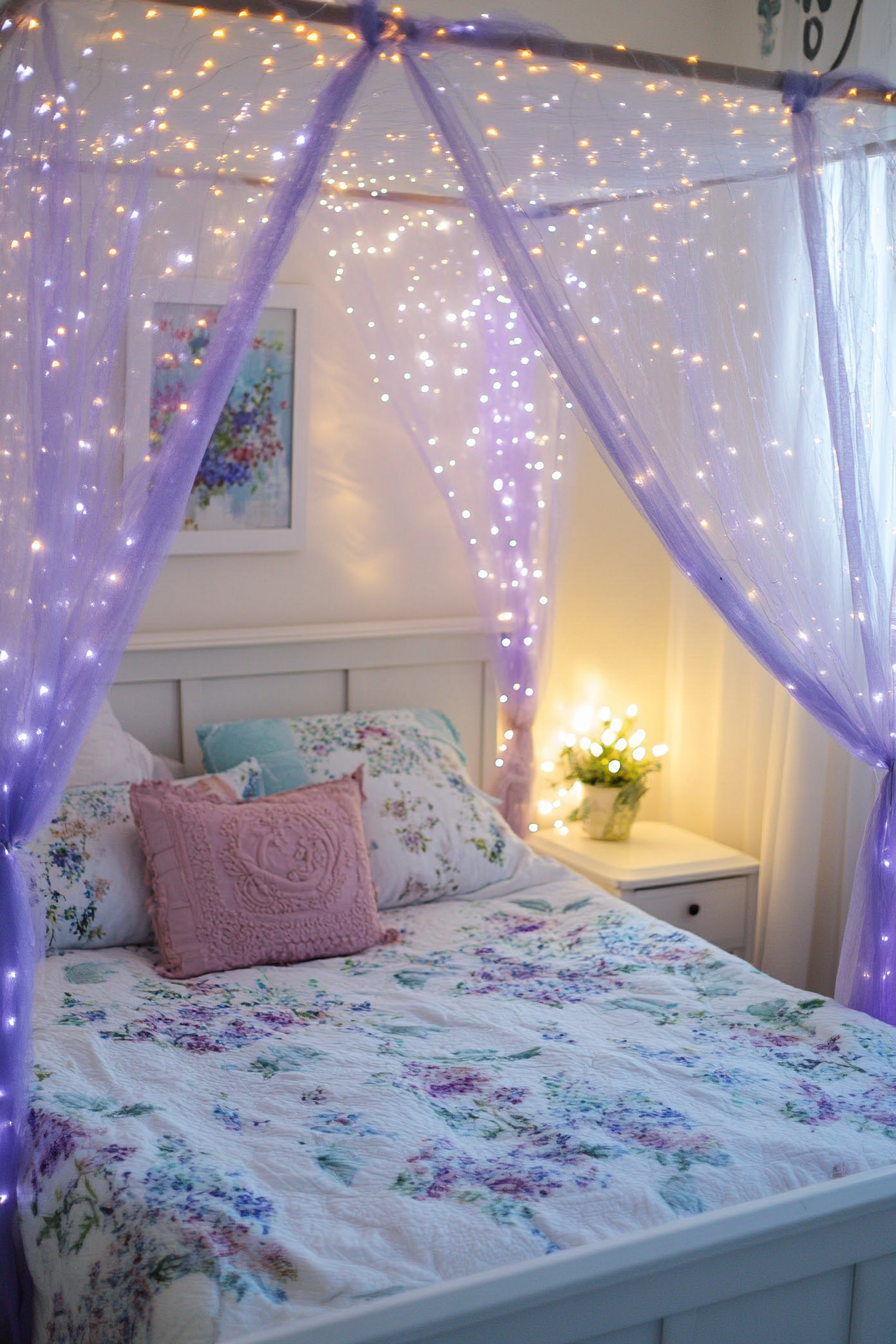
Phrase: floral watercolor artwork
x=245 y=478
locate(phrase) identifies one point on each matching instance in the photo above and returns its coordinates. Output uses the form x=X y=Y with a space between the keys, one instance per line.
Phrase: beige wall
x=612 y=610
x=380 y=543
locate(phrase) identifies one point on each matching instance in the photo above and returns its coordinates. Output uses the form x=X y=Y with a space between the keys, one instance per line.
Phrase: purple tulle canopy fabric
x=80 y=550
x=703 y=277
x=460 y=366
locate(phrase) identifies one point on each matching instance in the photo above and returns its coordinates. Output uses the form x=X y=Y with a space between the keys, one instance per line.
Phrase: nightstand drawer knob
x=694 y=909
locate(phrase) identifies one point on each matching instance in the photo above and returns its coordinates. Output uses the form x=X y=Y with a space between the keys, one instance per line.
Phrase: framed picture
x=249 y=492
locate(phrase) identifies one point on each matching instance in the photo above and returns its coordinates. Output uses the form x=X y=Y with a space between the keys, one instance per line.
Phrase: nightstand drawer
x=721 y=912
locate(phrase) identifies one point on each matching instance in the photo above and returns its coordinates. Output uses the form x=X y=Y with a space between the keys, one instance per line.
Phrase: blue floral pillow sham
x=87 y=868
x=430 y=831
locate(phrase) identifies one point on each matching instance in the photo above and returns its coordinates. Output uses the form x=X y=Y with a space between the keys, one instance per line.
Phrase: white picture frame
x=216 y=509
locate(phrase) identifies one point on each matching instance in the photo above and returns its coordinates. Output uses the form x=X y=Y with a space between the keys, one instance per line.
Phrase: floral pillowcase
x=430 y=831
x=87 y=869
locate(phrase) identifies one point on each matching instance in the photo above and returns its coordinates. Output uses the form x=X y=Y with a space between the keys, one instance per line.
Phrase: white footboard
x=812 y=1266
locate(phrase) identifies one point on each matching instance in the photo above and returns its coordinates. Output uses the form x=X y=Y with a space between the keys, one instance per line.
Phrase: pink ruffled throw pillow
x=267 y=881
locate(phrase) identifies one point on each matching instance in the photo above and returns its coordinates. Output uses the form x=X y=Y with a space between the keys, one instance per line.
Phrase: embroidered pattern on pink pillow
x=268 y=881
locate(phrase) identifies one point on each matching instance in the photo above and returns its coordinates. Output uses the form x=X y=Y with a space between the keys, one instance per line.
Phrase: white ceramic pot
x=607 y=813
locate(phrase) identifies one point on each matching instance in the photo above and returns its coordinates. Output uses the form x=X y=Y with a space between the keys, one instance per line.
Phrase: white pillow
x=166 y=767
x=87 y=872
x=109 y=755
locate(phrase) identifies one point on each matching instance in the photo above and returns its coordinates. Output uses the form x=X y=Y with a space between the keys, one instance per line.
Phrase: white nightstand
x=689 y=881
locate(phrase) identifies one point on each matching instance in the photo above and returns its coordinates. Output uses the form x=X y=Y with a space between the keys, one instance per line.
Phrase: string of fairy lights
x=216 y=107
x=464 y=370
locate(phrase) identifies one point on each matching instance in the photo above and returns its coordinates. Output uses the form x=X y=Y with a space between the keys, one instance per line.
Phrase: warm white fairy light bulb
x=581 y=719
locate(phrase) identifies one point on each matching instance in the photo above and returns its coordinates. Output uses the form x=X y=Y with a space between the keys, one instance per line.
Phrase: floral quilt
x=515 y=1076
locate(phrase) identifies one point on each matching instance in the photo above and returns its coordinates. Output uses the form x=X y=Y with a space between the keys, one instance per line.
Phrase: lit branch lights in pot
x=608 y=774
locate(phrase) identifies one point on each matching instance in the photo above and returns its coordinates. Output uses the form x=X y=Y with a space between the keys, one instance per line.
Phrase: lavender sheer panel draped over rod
x=839 y=668
x=80 y=548
x=866 y=976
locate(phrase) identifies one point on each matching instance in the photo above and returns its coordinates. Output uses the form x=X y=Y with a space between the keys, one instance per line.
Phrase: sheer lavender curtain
x=458 y=362
x=758 y=447
x=81 y=548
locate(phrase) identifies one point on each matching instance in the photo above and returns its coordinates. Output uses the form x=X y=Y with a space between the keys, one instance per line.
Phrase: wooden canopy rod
x=537 y=42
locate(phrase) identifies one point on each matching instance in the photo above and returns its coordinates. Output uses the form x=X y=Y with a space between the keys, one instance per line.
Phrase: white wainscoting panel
x=151 y=711
x=874 y=1302
x=815 y=1310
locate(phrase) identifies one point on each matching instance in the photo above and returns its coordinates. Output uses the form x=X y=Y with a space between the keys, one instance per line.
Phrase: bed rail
x=810 y=1266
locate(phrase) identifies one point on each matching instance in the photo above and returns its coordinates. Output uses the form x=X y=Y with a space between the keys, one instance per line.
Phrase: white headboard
x=167 y=684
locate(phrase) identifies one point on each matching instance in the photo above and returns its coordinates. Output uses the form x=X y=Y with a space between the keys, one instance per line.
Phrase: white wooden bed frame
x=169 y=683
x=811 y=1266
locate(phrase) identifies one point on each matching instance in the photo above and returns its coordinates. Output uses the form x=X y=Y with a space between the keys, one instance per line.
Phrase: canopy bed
x=524 y=229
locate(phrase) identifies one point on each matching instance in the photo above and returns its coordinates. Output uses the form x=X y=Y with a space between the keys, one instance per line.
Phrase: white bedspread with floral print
x=515 y=1076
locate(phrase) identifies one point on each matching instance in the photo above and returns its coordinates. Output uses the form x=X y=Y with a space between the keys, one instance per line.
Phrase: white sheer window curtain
x=750 y=768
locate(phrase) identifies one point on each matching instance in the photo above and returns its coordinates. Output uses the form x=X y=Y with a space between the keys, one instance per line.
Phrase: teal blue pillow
x=281 y=765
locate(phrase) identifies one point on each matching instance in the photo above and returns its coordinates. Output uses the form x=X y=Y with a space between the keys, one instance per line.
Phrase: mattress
x=517 y=1075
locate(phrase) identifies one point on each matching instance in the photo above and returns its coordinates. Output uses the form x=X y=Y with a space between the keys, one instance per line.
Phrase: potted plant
x=613 y=770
